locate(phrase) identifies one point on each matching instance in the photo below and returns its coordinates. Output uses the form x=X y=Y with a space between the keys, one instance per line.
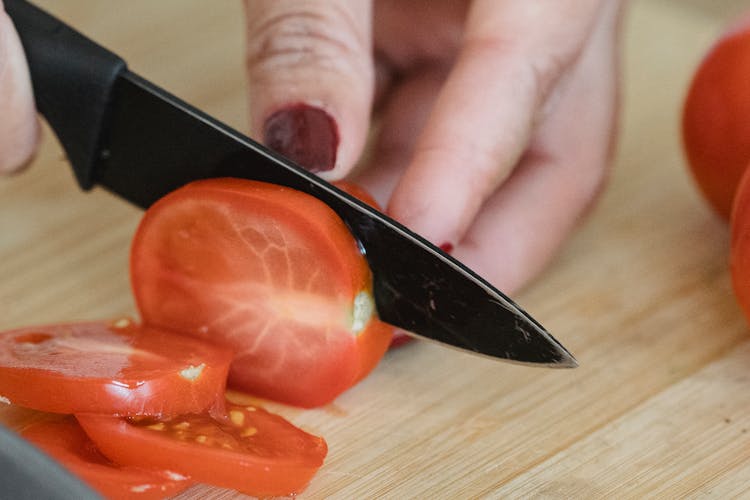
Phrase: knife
x=138 y=141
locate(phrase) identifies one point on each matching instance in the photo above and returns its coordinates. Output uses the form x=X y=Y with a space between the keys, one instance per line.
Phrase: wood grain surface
x=660 y=406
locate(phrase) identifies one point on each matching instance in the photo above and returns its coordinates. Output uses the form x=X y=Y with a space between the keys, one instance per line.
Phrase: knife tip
x=567 y=361
x=563 y=357
x=546 y=350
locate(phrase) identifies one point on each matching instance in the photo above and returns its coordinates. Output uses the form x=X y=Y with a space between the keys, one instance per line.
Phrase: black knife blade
x=140 y=142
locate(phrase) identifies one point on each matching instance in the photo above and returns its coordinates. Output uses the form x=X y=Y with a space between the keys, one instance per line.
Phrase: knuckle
x=532 y=69
x=305 y=37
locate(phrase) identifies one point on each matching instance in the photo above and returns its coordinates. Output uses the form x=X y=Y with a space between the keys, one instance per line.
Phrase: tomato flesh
x=246 y=449
x=118 y=368
x=716 y=118
x=271 y=273
x=65 y=441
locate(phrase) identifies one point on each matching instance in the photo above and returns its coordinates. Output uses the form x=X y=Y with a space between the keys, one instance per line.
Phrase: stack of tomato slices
x=239 y=282
x=150 y=414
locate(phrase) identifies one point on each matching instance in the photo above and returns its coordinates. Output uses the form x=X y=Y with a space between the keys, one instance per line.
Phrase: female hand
x=495 y=117
x=19 y=127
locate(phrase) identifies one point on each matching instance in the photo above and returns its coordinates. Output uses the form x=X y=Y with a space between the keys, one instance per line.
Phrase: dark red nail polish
x=305 y=134
x=446 y=247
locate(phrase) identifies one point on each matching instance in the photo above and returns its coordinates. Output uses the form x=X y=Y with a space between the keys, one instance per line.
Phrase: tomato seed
x=122 y=323
x=237 y=417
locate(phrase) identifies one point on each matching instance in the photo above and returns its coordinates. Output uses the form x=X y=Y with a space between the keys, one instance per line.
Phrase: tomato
x=247 y=449
x=740 y=245
x=116 y=368
x=65 y=441
x=716 y=118
x=268 y=271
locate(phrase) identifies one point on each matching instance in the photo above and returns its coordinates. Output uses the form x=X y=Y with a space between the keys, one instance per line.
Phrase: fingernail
x=305 y=134
x=446 y=247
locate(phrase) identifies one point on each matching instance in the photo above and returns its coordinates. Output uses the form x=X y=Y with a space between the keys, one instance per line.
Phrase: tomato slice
x=248 y=449
x=65 y=441
x=118 y=368
x=268 y=271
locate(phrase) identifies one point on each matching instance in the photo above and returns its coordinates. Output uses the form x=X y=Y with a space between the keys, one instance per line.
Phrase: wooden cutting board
x=660 y=405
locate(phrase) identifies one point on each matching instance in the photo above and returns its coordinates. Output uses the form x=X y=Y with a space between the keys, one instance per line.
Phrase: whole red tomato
x=716 y=117
x=740 y=251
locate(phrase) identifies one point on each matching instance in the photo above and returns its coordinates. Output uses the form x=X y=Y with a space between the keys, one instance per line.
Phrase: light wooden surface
x=660 y=405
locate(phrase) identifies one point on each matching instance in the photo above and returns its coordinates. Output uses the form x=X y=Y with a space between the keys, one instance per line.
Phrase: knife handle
x=73 y=78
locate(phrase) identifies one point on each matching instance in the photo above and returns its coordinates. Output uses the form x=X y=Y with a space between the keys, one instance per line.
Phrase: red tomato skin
x=209 y=258
x=373 y=345
x=716 y=118
x=115 y=382
x=280 y=461
x=65 y=441
x=739 y=263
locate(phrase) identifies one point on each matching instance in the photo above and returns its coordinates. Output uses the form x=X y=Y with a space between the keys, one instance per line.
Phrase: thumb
x=311 y=80
x=19 y=128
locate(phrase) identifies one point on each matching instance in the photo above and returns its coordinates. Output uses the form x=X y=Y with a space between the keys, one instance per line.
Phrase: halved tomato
x=268 y=271
x=65 y=441
x=246 y=449
x=118 y=368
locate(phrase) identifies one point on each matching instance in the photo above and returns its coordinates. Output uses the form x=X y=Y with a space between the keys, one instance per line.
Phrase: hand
x=19 y=127
x=494 y=118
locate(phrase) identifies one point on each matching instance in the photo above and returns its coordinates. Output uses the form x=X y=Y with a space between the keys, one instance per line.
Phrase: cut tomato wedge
x=268 y=271
x=248 y=449
x=65 y=441
x=118 y=368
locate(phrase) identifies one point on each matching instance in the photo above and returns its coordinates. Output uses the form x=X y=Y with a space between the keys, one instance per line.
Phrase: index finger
x=513 y=54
